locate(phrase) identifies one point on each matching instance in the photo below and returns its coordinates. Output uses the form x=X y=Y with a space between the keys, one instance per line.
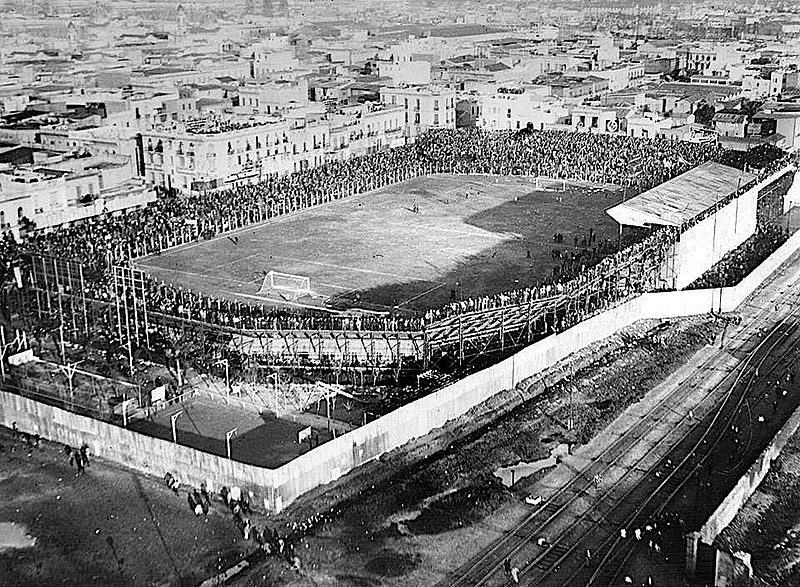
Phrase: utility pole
x=69 y=370
x=4 y=346
x=227 y=378
x=275 y=375
x=228 y=435
x=172 y=419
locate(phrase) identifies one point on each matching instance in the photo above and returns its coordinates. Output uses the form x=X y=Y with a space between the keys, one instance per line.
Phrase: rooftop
x=682 y=198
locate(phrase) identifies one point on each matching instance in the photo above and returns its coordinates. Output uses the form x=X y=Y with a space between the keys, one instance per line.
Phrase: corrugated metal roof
x=682 y=198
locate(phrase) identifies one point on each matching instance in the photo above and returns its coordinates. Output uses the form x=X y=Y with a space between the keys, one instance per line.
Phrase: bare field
x=471 y=236
x=108 y=526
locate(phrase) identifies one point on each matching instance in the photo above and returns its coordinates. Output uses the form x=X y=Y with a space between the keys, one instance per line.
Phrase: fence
x=281 y=486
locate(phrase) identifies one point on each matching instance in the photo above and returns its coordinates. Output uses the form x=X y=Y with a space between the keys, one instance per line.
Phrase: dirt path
x=108 y=526
x=416 y=525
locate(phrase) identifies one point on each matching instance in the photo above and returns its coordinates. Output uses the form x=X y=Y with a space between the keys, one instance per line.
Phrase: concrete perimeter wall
x=333 y=459
x=749 y=482
x=704 y=244
x=138 y=451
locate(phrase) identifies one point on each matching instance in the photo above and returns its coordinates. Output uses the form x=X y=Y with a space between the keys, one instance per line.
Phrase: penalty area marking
x=154 y=269
x=419 y=295
x=284 y=302
x=345 y=268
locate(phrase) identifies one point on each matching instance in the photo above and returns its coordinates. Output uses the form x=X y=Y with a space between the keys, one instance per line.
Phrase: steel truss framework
x=58 y=294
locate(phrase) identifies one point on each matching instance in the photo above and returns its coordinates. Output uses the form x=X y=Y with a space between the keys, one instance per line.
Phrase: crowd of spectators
x=737 y=264
x=174 y=219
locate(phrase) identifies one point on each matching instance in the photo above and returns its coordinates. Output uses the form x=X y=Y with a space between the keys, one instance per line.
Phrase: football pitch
x=410 y=246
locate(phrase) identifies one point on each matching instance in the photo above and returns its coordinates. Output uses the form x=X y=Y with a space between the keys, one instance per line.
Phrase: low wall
x=749 y=482
x=793 y=195
x=736 y=295
x=138 y=451
x=339 y=456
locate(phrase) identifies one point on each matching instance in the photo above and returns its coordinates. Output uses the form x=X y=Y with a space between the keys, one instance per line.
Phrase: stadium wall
x=749 y=482
x=704 y=244
x=143 y=453
x=279 y=487
x=793 y=195
x=420 y=417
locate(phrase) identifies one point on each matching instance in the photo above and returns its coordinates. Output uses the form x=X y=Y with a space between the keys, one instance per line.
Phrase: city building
x=424 y=106
x=62 y=188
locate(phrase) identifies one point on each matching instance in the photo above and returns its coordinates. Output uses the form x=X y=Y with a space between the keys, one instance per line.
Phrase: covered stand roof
x=682 y=198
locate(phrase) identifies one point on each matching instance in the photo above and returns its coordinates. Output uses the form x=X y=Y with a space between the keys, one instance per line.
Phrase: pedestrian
x=190 y=501
x=623 y=533
x=507 y=567
x=85 y=454
x=515 y=574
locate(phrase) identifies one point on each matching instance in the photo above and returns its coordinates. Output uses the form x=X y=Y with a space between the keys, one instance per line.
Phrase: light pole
x=228 y=435
x=227 y=378
x=275 y=375
x=173 y=418
x=4 y=346
x=69 y=370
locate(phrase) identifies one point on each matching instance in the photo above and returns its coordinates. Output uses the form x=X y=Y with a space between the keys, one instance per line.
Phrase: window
x=417 y=103
x=406 y=101
x=435 y=118
x=416 y=118
x=508 y=113
x=436 y=104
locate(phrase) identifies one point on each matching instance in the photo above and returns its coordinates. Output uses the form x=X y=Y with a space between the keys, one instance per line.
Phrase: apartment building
x=423 y=107
x=218 y=153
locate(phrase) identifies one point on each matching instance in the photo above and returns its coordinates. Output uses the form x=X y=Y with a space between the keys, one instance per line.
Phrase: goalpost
x=294 y=284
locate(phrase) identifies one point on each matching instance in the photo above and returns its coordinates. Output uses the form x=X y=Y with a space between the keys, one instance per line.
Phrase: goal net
x=293 y=284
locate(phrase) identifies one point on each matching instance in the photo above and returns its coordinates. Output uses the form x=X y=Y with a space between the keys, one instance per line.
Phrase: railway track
x=699 y=448
x=485 y=568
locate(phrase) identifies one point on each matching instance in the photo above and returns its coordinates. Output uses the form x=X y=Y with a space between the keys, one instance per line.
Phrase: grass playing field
x=374 y=251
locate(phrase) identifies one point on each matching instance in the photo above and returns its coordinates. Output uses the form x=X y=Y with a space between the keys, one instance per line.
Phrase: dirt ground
x=402 y=524
x=768 y=526
x=108 y=526
x=373 y=251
